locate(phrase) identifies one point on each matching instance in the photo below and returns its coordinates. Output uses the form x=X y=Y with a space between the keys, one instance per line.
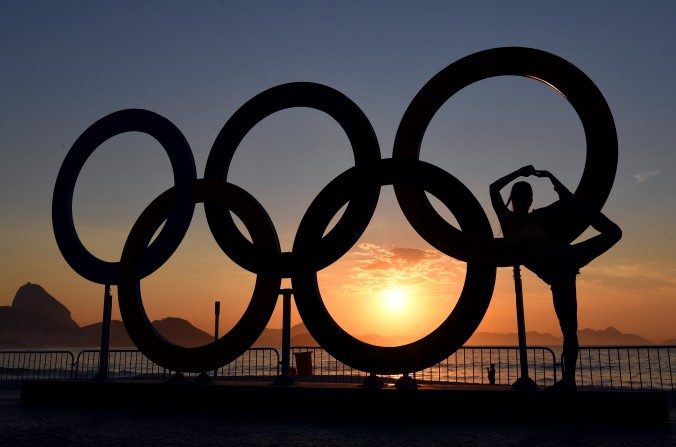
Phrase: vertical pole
x=285 y=377
x=105 y=334
x=217 y=317
x=286 y=331
x=520 y=321
x=524 y=381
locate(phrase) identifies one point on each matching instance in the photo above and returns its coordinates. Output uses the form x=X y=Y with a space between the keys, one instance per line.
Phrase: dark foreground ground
x=21 y=424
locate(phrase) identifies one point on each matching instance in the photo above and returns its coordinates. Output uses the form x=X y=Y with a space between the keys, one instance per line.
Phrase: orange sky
x=632 y=297
x=67 y=66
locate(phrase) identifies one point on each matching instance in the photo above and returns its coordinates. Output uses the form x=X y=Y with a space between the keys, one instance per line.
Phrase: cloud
x=374 y=268
x=649 y=277
x=646 y=175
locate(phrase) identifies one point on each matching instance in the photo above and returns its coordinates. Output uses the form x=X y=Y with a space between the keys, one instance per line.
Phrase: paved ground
x=22 y=425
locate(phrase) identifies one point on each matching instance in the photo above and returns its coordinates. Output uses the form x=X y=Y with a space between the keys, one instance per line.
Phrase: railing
x=258 y=364
x=614 y=367
x=324 y=367
x=131 y=364
x=467 y=365
x=16 y=366
x=627 y=367
x=123 y=364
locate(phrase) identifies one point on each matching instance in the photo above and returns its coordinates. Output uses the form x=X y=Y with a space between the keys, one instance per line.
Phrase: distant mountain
x=119 y=338
x=669 y=342
x=269 y=337
x=32 y=298
x=299 y=337
x=510 y=339
x=176 y=330
x=181 y=332
x=303 y=339
x=19 y=328
x=385 y=340
x=610 y=336
x=36 y=318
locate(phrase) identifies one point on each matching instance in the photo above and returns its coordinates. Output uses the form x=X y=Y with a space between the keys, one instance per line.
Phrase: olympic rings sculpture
x=358 y=187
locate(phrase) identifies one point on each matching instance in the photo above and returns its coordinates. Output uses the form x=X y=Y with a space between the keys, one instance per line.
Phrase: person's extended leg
x=565 y=305
x=585 y=252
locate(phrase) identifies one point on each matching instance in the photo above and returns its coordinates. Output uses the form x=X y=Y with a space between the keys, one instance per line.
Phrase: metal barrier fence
x=123 y=364
x=615 y=367
x=258 y=364
x=627 y=367
x=131 y=364
x=20 y=365
x=467 y=365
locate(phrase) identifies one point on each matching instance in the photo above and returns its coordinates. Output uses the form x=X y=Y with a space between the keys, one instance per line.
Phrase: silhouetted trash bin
x=303 y=363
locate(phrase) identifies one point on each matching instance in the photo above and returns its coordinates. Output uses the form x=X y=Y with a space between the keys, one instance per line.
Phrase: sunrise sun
x=395 y=299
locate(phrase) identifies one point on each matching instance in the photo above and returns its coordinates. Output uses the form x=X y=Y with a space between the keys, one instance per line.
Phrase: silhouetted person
x=491 y=374
x=531 y=243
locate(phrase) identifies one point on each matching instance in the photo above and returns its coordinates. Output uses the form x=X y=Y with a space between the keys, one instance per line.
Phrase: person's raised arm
x=495 y=188
x=559 y=187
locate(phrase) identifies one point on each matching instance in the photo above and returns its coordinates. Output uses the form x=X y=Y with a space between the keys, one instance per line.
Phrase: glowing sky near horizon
x=67 y=64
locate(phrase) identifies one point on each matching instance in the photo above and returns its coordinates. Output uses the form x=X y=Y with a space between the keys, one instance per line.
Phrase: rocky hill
x=590 y=337
x=37 y=319
x=33 y=298
x=511 y=339
x=176 y=330
x=610 y=336
x=181 y=332
x=299 y=337
x=119 y=338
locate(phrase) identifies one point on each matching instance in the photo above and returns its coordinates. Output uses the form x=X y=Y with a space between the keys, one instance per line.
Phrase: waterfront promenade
x=23 y=425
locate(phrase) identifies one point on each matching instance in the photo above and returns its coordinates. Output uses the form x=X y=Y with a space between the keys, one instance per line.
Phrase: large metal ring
x=257 y=314
x=358 y=212
x=474 y=298
x=570 y=81
x=178 y=217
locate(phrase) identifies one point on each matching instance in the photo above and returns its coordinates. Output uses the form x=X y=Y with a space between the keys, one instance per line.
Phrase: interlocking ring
x=567 y=79
x=178 y=218
x=258 y=312
x=358 y=187
x=359 y=211
x=474 y=298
